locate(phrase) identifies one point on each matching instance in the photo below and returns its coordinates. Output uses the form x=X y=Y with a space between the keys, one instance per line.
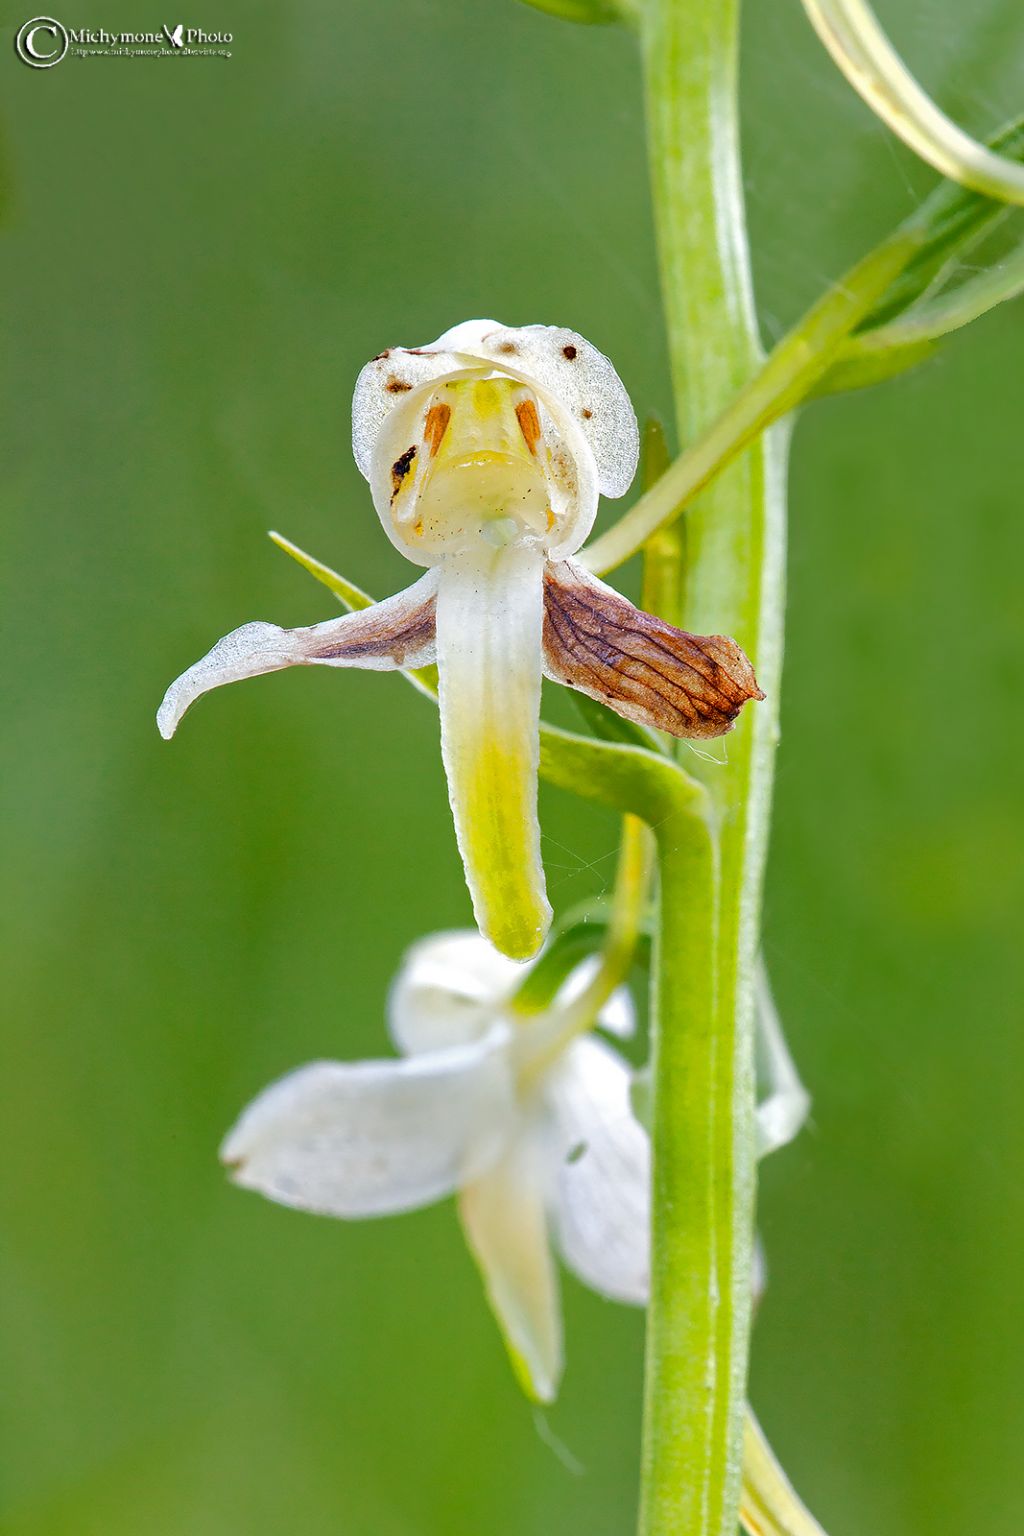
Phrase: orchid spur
x=527 y=1117
x=486 y=453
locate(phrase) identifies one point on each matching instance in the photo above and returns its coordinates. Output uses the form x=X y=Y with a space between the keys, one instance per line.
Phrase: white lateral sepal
x=373 y=1138
x=396 y=633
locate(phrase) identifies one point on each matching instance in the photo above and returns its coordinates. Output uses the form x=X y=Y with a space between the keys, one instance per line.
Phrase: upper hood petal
x=586 y=421
x=566 y=368
x=481 y=448
x=371 y=1138
x=385 y=382
x=448 y=991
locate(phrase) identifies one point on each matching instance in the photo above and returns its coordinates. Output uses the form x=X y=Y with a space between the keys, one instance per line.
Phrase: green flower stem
x=786 y=378
x=703 y=1128
x=694 y=1088
x=687 y=1471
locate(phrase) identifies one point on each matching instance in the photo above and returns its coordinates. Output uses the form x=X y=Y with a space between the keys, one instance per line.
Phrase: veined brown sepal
x=601 y=644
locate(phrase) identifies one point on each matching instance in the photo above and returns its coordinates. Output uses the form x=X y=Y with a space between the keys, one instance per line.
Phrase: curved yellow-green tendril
x=769 y=1505
x=851 y=32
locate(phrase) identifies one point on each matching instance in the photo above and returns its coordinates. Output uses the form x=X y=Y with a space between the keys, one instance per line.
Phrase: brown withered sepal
x=599 y=643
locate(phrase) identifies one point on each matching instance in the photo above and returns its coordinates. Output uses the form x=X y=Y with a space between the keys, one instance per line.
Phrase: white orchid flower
x=527 y=1121
x=486 y=453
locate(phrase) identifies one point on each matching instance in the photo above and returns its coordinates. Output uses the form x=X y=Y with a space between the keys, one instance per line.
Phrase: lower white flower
x=528 y=1122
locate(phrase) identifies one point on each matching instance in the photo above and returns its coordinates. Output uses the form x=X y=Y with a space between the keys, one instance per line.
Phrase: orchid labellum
x=486 y=453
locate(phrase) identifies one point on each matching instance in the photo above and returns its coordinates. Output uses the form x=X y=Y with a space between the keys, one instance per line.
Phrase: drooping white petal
x=566 y=368
x=398 y=632
x=504 y=1220
x=599 y=1172
x=618 y=1016
x=489 y=665
x=371 y=1138
x=448 y=991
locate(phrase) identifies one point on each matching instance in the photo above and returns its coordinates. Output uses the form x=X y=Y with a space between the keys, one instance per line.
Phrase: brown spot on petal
x=643 y=668
x=529 y=423
x=436 y=425
x=586 y=413
x=400 y=468
x=570 y=353
x=382 y=355
x=507 y=348
x=396 y=386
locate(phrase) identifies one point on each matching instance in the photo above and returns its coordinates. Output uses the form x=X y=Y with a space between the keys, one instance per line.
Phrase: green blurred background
x=196 y=259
